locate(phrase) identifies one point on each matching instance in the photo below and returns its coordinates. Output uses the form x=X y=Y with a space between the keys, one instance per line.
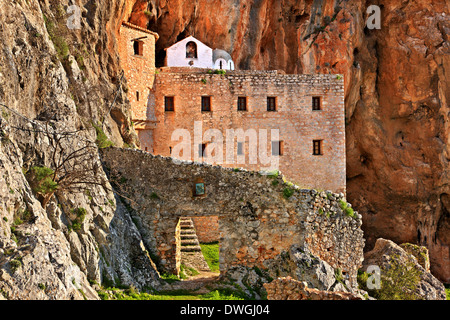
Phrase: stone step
x=187 y=231
x=191 y=249
x=188 y=236
x=185 y=242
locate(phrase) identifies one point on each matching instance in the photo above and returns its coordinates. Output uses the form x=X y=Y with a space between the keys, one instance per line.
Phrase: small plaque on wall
x=199 y=188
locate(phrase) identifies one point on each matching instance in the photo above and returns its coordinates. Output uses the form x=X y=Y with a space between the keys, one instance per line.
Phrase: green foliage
x=220 y=71
x=77 y=223
x=102 y=140
x=347 y=209
x=15 y=264
x=288 y=192
x=44 y=180
x=274 y=174
x=55 y=36
x=154 y=196
x=211 y=253
x=398 y=281
x=447 y=291
x=133 y=294
x=170 y=278
x=204 y=81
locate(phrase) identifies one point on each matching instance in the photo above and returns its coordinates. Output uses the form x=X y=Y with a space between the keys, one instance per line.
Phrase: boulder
x=315 y=272
x=386 y=254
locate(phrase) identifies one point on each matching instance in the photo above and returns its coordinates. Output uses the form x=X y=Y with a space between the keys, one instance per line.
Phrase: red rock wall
x=396 y=87
x=207 y=228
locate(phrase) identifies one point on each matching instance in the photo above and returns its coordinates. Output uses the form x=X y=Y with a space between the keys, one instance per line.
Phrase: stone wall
x=291 y=289
x=260 y=217
x=139 y=69
x=297 y=123
x=207 y=228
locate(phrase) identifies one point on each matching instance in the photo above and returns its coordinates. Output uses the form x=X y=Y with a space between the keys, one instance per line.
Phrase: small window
x=169 y=104
x=206 y=103
x=137 y=95
x=277 y=148
x=240 y=148
x=201 y=150
x=138 y=47
x=242 y=103
x=271 y=104
x=317 y=147
x=316 y=103
x=191 y=50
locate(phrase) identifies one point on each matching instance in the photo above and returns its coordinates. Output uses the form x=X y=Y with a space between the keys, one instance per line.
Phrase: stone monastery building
x=199 y=108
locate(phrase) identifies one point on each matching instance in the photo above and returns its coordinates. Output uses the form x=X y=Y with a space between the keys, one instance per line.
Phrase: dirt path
x=198 y=284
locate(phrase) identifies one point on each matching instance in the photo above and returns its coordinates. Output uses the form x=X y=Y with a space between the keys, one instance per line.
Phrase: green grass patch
x=133 y=294
x=211 y=253
x=447 y=291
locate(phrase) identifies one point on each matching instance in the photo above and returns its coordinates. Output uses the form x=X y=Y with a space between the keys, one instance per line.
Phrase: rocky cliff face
x=55 y=83
x=397 y=93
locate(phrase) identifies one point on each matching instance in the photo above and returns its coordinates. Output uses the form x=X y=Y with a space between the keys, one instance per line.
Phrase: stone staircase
x=189 y=240
x=191 y=252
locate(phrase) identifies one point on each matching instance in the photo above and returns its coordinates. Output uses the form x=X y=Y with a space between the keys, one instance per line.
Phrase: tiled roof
x=133 y=26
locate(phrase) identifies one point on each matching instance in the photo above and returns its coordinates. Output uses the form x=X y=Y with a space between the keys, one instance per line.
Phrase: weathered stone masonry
x=297 y=123
x=258 y=221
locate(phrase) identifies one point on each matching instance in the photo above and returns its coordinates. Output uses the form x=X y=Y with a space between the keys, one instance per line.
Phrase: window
x=242 y=104
x=137 y=95
x=271 y=104
x=206 y=103
x=316 y=105
x=191 y=50
x=169 y=104
x=277 y=148
x=138 y=47
x=317 y=147
x=240 y=148
x=201 y=150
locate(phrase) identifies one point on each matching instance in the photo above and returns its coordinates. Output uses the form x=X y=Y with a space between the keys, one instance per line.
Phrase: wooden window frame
x=240 y=147
x=206 y=107
x=169 y=107
x=201 y=150
x=242 y=104
x=272 y=107
x=316 y=103
x=280 y=147
x=139 y=49
x=317 y=147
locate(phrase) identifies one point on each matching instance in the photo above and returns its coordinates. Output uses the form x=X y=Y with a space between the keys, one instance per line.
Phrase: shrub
x=102 y=140
x=346 y=209
x=44 y=180
x=77 y=223
x=15 y=264
x=288 y=192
